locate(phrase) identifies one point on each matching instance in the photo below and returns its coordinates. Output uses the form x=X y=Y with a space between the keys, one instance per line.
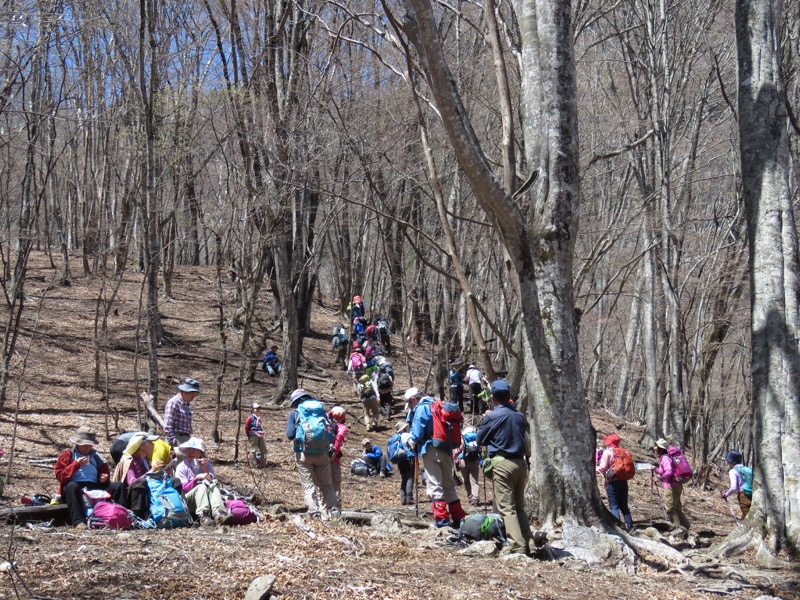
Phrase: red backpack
x=622 y=468
x=447 y=421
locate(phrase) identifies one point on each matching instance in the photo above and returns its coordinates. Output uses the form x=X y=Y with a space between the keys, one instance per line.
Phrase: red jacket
x=66 y=468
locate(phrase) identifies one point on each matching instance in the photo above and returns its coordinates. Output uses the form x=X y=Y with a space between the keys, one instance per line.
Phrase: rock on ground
x=260 y=588
x=594 y=547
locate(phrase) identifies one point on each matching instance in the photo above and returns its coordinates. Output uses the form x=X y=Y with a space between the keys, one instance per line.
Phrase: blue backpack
x=314 y=433
x=746 y=473
x=471 y=448
x=396 y=450
x=167 y=507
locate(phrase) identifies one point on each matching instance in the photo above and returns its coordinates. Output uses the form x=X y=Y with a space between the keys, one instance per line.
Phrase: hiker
x=437 y=461
x=384 y=334
x=360 y=328
x=254 y=430
x=81 y=467
x=468 y=461
x=337 y=416
x=457 y=383
x=356 y=308
x=741 y=478
x=672 y=488
x=372 y=332
x=133 y=469
x=161 y=449
x=271 y=364
x=473 y=378
x=356 y=364
x=311 y=432
x=401 y=455
x=384 y=384
x=178 y=413
x=617 y=481
x=368 y=393
x=339 y=343
x=373 y=456
x=200 y=486
x=504 y=433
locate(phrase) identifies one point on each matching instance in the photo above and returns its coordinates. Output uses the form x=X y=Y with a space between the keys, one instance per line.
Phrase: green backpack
x=746 y=473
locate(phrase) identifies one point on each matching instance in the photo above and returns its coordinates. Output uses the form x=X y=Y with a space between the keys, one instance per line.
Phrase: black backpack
x=384 y=382
x=479 y=526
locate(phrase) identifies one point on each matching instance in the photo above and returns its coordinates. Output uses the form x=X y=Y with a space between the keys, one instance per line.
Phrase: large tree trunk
x=540 y=243
x=773 y=281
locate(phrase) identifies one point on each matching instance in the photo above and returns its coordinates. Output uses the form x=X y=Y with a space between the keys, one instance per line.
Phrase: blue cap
x=501 y=385
x=734 y=457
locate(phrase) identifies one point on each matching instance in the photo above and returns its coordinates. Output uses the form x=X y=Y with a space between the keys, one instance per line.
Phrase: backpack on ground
x=479 y=526
x=362 y=468
x=167 y=507
x=746 y=473
x=622 y=467
x=447 y=421
x=681 y=469
x=243 y=513
x=314 y=433
x=107 y=515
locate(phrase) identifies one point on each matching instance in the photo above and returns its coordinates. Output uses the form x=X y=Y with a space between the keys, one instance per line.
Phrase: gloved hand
x=330 y=451
x=412 y=443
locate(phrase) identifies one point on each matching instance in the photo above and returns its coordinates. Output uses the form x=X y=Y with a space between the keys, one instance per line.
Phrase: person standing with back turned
x=504 y=433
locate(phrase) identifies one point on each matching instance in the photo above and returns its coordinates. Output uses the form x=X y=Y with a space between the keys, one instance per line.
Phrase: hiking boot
x=336 y=514
x=439 y=523
x=206 y=521
x=80 y=526
x=383 y=475
x=222 y=518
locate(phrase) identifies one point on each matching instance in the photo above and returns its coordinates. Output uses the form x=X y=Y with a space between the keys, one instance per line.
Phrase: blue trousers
x=617 y=492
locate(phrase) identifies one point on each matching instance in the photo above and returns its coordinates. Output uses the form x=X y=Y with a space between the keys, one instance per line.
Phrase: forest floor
x=53 y=391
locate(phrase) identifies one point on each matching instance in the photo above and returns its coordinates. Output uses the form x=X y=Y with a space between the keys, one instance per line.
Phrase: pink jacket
x=338 y=441
x=664 y=470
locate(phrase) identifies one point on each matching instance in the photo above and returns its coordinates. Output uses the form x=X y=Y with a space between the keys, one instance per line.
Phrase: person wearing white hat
x=254 y=430
x=200 y=486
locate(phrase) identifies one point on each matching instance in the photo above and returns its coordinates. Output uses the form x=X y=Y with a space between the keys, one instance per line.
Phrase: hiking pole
x=733 y=514
x=652 y=497
x=416 y=485
x=663 y=506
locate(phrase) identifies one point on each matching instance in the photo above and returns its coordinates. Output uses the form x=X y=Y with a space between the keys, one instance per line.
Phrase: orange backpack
x=622 y=469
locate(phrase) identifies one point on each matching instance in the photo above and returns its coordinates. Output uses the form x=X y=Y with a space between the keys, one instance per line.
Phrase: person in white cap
x=178 y=413
x=312 y=435
x=200 y=486
x=254 y=430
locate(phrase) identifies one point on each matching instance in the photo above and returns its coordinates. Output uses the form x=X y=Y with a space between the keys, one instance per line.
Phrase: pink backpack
x=357 y=361
x=107 y=515
x=681 y=469
x=241 y=511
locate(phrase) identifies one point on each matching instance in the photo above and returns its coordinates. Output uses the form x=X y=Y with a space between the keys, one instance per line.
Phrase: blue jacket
x=456 y=378
x=422 y=425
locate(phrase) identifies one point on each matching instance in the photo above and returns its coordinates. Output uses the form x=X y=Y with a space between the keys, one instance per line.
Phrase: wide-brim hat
x=662 y=443
x=85 y=436
x=297 y=396
x=190 y=385
x=193 y=443
x=134 y=444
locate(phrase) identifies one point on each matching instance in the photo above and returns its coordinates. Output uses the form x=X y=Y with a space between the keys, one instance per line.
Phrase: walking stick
x=652 y=498
x=416 y=485
x=733 y=514
x=663 y=507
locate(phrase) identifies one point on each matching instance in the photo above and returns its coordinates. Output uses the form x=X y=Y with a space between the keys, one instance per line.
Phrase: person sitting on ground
x=672 y=488
x=741 y=478
x=161 y=449
x=616 y=488
x=200 y=486
x=468 y=460
x=81 y=467
x=132 y=470
x=254 y=430
x=338 y=416
x=399 y=453
x=373 y=456
x=271 y=364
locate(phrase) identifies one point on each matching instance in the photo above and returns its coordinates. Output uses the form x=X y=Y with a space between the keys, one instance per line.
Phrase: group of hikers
x=169 y=481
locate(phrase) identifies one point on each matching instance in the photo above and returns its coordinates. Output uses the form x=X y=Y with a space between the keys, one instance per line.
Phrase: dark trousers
x=617 y=492
x=138 y=498
x=457 y=395
x=72 y=494
x=406 y=468
x=477 y=404
x=378 y=463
